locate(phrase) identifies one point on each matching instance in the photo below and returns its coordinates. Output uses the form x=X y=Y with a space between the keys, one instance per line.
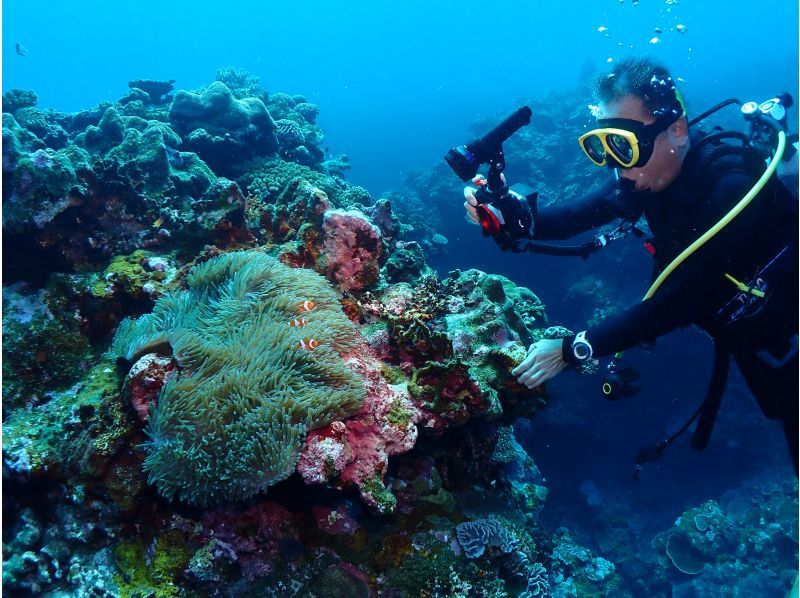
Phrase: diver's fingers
x=538 y=379
x=470 y=204
x=543 y=373
x=472 y=215
x=546 y=366
x=530 y=370
x=469 y=195
x=527 y=362
x=530 y=377
x=549 y=369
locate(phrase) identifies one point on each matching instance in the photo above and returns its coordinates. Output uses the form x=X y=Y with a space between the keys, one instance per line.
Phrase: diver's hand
x=471 y=203
x=544 y=361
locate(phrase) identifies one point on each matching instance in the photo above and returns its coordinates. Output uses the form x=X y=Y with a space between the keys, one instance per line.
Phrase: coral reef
x=357 y=450
x=716 y=544
x=157 y=92
x=73 y=434
x=353 y=250
x=222 y=130
x=246 y=379
x=266 y=179
x=41 y=352
x=15 y=99
x=366 y=445
x=241 y=83
x=476 y=536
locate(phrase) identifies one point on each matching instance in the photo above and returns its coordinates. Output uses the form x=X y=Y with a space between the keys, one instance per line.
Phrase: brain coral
x=233 y=420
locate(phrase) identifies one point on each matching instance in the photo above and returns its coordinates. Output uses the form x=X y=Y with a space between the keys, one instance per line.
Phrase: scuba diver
x=724 y=238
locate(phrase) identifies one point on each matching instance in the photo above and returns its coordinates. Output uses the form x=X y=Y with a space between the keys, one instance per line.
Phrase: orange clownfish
x=306 y=306
x=300 y=322
x=309 y=344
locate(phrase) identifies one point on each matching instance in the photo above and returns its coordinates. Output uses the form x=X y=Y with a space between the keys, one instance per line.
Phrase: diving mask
x=624 y=142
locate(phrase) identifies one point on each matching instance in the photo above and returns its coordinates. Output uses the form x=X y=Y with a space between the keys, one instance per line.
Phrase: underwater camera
x=465 y=160
x=500 y=213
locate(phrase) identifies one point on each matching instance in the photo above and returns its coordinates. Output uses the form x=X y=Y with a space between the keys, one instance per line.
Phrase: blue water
x=397 y=82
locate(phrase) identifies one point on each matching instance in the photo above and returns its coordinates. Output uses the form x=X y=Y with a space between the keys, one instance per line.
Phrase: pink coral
x=145 y=380
x=353 y=249
x=357 y=450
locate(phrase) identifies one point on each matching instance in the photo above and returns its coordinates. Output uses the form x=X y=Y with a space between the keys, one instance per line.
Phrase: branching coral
x=241 y=83
x=233 y=421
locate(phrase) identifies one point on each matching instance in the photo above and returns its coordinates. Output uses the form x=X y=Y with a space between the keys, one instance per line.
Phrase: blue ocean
x=253 y=344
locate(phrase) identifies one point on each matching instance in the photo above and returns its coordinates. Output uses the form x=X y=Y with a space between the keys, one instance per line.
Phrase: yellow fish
x=158 y=222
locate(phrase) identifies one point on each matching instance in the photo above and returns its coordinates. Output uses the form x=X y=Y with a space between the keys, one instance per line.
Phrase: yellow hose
x=773 y=165
x=725 y=219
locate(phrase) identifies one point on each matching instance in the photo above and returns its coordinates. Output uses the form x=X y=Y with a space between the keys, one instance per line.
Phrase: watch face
x=581 y=351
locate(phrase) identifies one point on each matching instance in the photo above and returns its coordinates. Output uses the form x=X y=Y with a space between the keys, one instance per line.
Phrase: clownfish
x=300 y=322
x=306 y=306
x=309 y=344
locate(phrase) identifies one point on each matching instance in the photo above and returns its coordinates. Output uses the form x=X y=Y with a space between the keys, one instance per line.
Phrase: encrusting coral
x=233 y=420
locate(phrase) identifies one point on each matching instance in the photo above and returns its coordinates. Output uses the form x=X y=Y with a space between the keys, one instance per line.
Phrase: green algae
x=39 y=355
x=156 y=576
x=398 y=415
x=76 y=431
x=127 y=273
x=392 y=374
x=385 y=501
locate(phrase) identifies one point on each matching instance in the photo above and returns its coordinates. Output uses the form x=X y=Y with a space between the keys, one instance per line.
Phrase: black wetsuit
x=759 y=247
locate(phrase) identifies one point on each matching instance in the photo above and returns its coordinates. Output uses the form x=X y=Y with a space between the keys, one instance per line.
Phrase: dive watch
x=581 y=349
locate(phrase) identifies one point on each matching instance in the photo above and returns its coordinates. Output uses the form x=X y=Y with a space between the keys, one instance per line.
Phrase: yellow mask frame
x=602 y=136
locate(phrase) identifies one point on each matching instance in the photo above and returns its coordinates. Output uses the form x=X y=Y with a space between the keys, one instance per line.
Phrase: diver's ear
x=680 y=131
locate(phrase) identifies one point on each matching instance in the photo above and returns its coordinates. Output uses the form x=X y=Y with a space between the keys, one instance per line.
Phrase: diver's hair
x=642 y=78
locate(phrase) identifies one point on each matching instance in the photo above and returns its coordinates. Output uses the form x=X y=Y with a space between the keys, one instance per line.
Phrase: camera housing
x=465 y=160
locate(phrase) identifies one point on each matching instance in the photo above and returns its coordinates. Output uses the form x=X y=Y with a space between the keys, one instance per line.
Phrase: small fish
x=601 y=29
x=658 y=30
x=301 y=322
x=681 y=80
x=680 y=28
x=20 y=49
x=159 y=221
x=655 y=41
x=306 y=306
x=309 y=344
